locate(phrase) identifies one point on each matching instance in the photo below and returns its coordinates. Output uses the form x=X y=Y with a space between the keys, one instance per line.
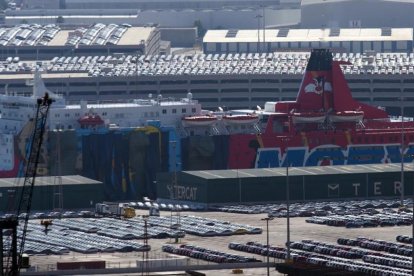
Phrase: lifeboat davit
x=346 y=116
x=202 y=120
x=240 y=119
x=90 y=120
x=308 y=117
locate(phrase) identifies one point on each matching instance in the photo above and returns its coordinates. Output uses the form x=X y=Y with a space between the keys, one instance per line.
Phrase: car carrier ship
x=125 y=144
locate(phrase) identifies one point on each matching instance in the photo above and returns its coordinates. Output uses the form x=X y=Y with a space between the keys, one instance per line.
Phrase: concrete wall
x=210 y=19
x=179 y=37
x=160 y=4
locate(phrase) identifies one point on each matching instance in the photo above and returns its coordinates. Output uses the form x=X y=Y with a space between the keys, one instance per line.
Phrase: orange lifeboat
x=346 y=116
x=90 y=120
x=202 y=120
x=240 y=119
x=308 y=117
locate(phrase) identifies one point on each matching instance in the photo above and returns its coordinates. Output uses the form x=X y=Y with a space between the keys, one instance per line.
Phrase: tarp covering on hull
x=204 y=152
x=126 y=162
x=66 y=143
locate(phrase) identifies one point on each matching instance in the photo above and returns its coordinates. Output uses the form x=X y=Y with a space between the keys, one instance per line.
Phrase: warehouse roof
x=301 y=171
x=310 y=35
x=49 y=180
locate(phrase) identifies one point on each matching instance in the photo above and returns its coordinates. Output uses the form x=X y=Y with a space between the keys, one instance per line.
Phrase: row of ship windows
x=121 y=115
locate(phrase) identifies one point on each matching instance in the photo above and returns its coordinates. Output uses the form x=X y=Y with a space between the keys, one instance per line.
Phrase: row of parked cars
x=404 y=239
x=308 y=209
x=359 y=266
x=53 y=214
x=244 y=63
x=379 y=245
x=365 y=220
x=206 y=254
x=329 y=249
x=61 y=240
x=204 y=227
x=28 y=35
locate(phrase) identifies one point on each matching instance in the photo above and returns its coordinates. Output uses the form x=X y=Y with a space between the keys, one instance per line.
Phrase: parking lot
x=300 y=230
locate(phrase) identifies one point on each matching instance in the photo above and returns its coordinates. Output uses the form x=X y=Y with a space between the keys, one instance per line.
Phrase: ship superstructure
x=125 y=144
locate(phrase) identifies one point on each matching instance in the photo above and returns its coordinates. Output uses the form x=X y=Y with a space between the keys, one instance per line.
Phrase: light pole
x=267 y=242
x=287 y=214
x=412 y=230
x=258 y=32
x=402 y=152
x=265 y=49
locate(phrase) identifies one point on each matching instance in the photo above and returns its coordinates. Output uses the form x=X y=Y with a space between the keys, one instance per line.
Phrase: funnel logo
x=318 y=85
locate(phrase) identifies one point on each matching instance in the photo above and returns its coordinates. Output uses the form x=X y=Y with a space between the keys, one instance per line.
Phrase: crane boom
x=25 y=200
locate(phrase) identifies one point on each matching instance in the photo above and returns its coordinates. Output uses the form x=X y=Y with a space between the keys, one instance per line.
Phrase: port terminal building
x=348 y=40
x=269 y=184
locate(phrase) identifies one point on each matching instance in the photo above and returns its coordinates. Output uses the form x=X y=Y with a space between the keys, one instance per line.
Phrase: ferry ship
x=125 y=144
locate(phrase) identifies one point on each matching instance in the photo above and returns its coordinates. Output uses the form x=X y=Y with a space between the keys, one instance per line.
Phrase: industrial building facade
x=77 y=192
x=353 y=40
x=269 y=185
x=227 y=91
x=135 y=40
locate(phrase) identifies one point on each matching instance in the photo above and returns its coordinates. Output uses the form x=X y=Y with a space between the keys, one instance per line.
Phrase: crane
x=13 y=261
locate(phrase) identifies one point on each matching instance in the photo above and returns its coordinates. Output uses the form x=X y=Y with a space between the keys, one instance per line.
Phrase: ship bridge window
x=174 y=111
x=67 y=115
x=164 y=111
x=184 y=110
x=104 y=114
x=193 y=110
x=57 y=115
